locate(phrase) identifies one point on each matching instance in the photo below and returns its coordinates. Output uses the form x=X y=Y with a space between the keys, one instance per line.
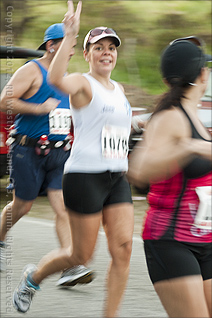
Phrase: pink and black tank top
x=174 y=202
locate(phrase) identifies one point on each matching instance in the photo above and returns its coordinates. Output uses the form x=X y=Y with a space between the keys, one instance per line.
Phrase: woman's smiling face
x=102 y=55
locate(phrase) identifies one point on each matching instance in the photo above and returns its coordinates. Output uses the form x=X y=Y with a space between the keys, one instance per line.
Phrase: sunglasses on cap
x=96 y=32
x=193 y=39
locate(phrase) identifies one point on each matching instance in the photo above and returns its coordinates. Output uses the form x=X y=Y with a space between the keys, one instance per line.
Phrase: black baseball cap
x=183 y=58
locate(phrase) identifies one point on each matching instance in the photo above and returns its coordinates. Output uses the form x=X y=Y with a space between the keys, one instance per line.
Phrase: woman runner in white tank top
x=95 y=187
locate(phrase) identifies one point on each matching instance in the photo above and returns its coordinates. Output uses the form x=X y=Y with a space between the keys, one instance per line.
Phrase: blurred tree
x=15 y=14
x=144 y=26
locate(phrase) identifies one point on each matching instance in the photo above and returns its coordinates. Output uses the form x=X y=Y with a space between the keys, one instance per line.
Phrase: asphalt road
x=32 y=238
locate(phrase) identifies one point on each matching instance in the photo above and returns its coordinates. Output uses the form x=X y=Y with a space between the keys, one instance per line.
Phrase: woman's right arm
x=166 y=149
x=72 y=83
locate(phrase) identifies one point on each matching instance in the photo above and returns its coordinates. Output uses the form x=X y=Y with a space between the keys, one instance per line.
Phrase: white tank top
x=101 y=131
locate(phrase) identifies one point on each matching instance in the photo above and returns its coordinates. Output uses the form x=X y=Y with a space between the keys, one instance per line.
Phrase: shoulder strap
x=43 y=70
x=195 y=133
x=192 y=125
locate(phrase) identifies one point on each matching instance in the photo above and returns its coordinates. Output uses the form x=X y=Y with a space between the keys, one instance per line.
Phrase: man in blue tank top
x=39 y=145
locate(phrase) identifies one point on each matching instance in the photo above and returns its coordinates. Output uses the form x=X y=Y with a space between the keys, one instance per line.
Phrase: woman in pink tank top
x=175 y=159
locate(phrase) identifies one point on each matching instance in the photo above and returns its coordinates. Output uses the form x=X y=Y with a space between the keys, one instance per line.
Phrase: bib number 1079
x=114 y=142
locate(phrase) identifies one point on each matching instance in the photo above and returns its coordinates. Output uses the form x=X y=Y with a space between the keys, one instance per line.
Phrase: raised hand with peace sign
x=72 y=19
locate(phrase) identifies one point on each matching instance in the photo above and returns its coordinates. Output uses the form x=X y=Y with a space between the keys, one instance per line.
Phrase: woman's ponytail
x=173 y=96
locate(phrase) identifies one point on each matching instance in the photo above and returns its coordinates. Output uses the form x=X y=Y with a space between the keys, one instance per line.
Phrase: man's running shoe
x=2 y=257
x=76 y=275
x=24 y=292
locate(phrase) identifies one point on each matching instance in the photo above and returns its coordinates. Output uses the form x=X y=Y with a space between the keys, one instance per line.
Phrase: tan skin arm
x=74 y=84
x=167 y=147
x=23 y=84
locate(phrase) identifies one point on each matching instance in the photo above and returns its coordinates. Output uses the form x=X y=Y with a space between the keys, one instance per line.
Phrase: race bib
x=114 y=142
x=60 y=121
x=203 y=217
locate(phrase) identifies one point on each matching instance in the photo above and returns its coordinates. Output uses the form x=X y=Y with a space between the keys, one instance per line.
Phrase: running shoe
x=24 y=292
x=2 y=257
x=76 y=275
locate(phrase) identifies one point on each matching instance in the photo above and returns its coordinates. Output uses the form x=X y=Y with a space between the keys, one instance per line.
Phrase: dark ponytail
x=173 y=96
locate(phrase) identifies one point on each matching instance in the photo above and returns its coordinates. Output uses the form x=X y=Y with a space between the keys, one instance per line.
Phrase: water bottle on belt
x=70 y=139
x=12 y=133
x=42 y=148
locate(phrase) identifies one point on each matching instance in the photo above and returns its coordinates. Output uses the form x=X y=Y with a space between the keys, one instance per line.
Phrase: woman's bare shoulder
x=171 y=121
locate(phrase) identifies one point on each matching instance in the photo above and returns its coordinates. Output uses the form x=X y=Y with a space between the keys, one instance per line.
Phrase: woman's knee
x=121 y=252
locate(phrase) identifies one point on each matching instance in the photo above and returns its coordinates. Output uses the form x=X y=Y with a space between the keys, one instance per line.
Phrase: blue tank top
x=55 y=126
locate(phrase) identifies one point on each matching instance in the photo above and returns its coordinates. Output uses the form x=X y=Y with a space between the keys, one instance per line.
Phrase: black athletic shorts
x=172 y=259
x=89 y=192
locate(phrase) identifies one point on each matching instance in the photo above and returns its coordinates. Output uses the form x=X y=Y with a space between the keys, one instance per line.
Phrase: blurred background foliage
x=145 y=28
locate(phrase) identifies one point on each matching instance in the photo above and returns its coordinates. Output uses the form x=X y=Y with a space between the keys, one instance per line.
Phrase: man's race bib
x=60 y=121
x=114 y=142
x=203 y=217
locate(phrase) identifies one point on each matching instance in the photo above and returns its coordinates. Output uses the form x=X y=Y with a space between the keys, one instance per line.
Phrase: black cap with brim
x=183 y=60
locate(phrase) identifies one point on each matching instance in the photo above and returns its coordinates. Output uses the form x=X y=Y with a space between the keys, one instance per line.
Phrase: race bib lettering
x=60 y=121
x=203 y=217
x=114 y=142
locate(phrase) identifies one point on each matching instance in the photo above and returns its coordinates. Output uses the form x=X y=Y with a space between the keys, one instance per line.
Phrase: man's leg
x=11 y=213
x=62 y=217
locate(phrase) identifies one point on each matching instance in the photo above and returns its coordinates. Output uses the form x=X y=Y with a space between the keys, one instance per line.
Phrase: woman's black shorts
x=172 y=259
x=89 y=192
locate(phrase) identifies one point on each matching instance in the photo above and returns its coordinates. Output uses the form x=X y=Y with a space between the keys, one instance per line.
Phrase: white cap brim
x=101 y=36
